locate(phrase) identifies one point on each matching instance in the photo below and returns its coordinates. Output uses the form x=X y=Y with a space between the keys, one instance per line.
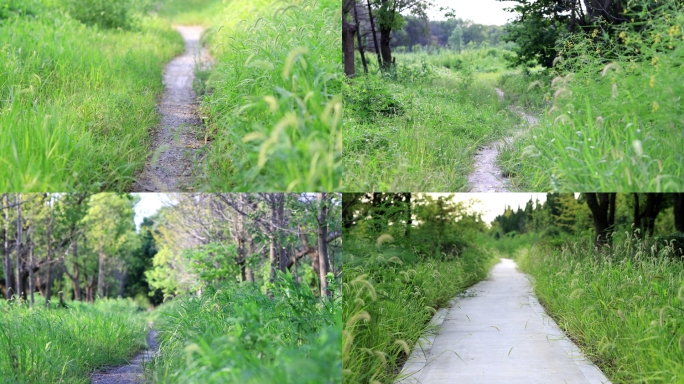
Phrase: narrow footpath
x=130 y=373
x=176 y=142
x=498 y=333
x=487 y=176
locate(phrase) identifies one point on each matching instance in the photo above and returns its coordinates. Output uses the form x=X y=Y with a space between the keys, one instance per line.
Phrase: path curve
x=175 y=142
x=132 y=372
x=498 y=333
x=487 y=176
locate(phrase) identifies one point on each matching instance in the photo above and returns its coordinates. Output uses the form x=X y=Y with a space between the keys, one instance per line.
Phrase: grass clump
x=391 y=293
x=425 y=125
x=63 y=345
x=77 y=102
x=615 y=119
x=274 y=107
x=238 y=334
x=623 y=306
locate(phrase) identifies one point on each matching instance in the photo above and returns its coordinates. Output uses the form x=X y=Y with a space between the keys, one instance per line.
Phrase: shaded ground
x=498 y=333
x=132 y=372
x=487 y=176
x=176 y=143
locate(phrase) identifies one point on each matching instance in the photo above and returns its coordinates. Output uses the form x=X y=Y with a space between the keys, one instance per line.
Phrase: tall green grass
x=273 y=105
x=419 y=127
x=390 y=294
x=64 y=345
x=623 y=306
x=613 y=124
x=77 y=102
x=237 y=334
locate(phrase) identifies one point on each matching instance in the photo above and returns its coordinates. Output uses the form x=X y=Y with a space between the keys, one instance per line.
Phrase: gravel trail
x=132 y=372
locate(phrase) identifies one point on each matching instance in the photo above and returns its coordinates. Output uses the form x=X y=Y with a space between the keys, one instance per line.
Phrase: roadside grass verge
x=613 y=125
x=390 y=296
x=63 y=345
x=273 y=106
x=623 y=307
x=77 y=102
x=237 y=334
x=419 y=127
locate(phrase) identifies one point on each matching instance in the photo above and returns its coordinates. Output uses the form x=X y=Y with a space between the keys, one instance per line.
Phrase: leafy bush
x=105 y=13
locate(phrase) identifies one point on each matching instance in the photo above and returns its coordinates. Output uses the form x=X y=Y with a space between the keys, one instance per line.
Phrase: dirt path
x=487 y=176
x=498 y=333
x=176 y=143
x=132 y=372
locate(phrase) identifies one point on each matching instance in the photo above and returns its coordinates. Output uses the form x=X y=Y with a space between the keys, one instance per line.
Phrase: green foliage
x=213 y=262
x=535 y=32
x=79 y=101
x=105 y=13
x=64 y=345
x=275 y=109
x=236 y=334
x=444 y=116
x=622 y=306
x=613 y=125
x=389 y=301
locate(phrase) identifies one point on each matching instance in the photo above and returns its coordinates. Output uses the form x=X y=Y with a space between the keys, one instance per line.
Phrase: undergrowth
x=391 y=293
x=63 y=345
x=238 y=334
x=623 y=306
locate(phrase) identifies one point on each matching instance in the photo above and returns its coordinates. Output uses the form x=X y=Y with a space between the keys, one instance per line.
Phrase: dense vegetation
x=621 y=302
x=270 y=262
x=397 y=274
x=78 y=92
x=605 y=89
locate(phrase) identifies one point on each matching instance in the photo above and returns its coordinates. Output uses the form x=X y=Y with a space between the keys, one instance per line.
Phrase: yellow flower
x=623 y=35
x=654 y=107
x=652 y=82
x=595 y=33
x=654 y=61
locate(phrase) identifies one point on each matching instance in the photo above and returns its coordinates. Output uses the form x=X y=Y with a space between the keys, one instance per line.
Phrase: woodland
x=84 y=285
x=423 y=96
x=607 y=268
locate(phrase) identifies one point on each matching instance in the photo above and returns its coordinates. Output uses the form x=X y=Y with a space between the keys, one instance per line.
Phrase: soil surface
x=132 y=372
x=497 y=332
x=487 y=176
x=176 y=142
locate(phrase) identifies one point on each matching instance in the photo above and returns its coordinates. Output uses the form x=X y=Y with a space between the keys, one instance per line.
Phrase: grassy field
x=77 y=100
x=623 y=307
x=237 y=334
x=64 y=345
x=391 y=293
x=419 y=127
x=608 y=125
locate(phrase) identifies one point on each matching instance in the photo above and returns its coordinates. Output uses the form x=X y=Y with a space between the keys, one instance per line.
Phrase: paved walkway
x=498 y=333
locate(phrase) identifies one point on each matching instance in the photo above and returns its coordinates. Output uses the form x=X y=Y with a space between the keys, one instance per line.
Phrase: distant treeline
x=454 y=33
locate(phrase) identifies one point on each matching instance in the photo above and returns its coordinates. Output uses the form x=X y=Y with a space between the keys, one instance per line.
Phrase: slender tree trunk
x=678 y=212
x=358 y=40
x=282 y=252
x=323 y=260
x=409 y=219
x=100 y=273
x=273 y=251
x=31 y=264
x=20 y=288
x=48 y=288
x=375 y=37
x=8 y=256
x=249 y=274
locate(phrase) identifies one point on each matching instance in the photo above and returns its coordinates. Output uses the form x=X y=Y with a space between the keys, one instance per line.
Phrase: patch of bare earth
x=130 y=373
x=487 y=176
x=175 y=143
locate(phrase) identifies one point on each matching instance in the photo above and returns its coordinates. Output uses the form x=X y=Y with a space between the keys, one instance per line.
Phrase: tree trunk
x=358 y=40
x=273 y=251
x=282 y=252
x=602 y=206
x=678 y=211
x=375 y=37
x=20 y=288
x=31 y=262
x=385 y=50
x=348 y=31
x=8 y=258
x=323 y=259
x=48 y=288
x=100 y=273
x=409 y=220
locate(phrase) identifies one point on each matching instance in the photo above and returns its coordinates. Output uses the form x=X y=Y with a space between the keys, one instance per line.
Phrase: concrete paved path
x=498 y=333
